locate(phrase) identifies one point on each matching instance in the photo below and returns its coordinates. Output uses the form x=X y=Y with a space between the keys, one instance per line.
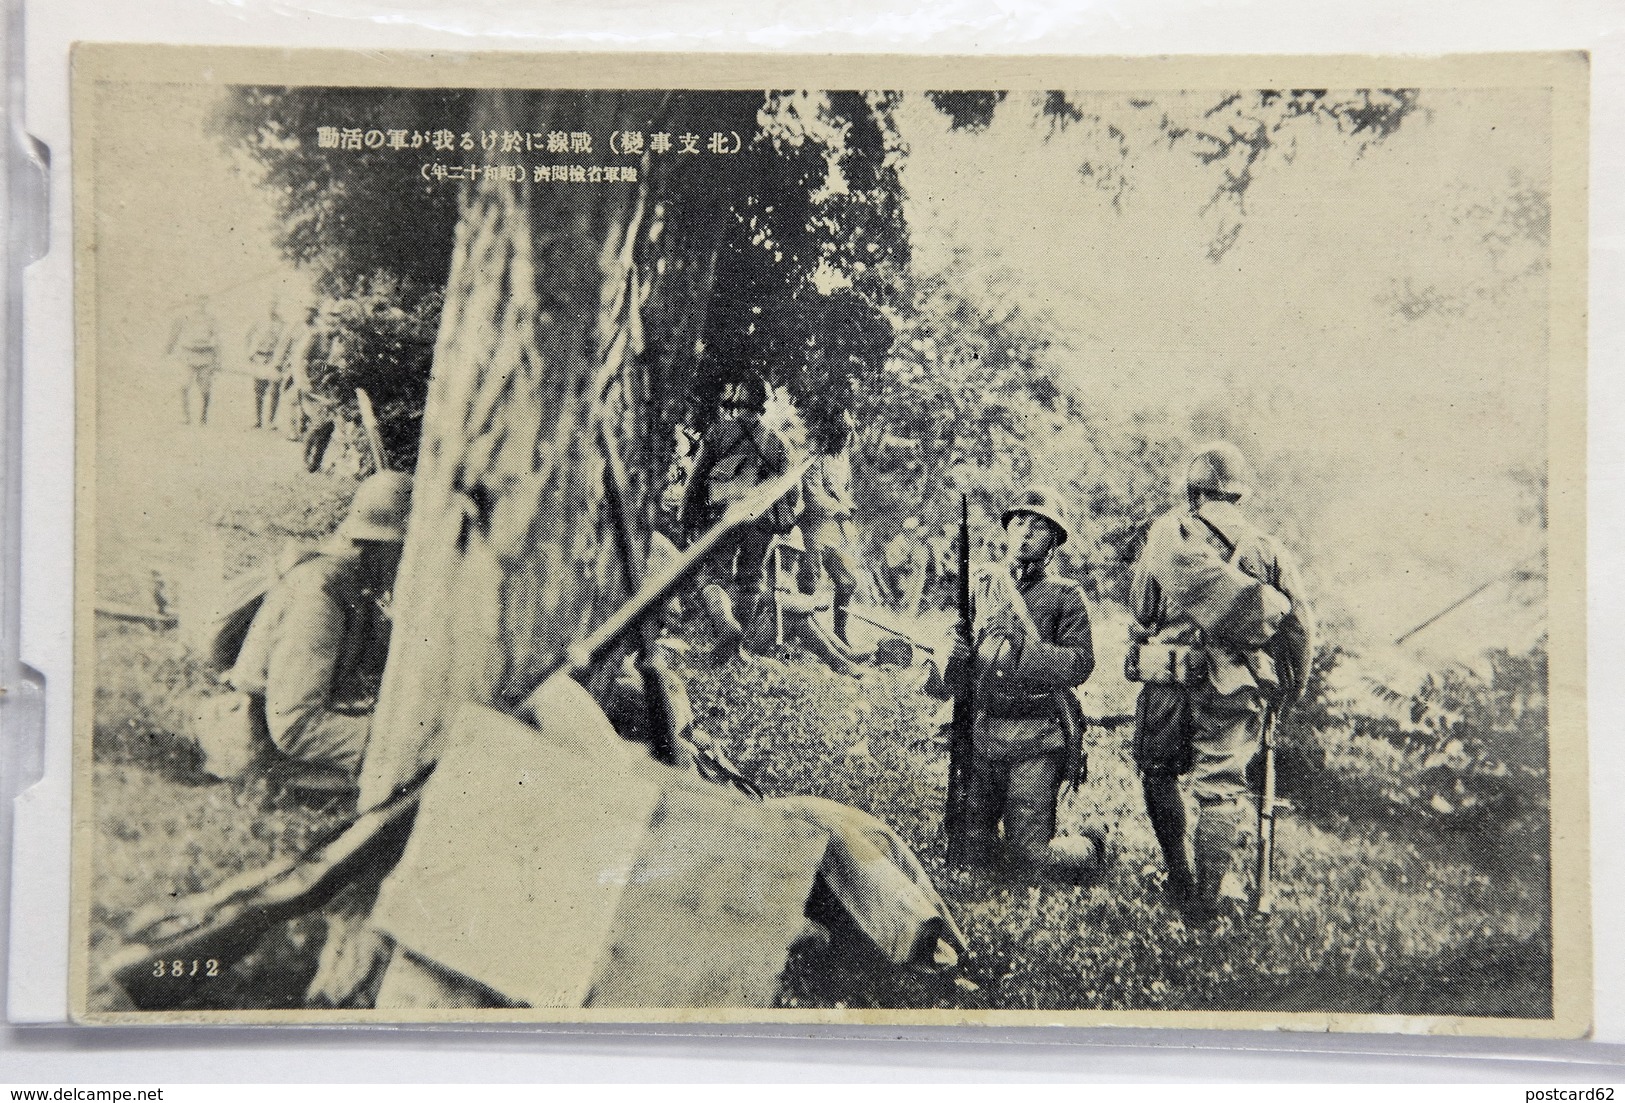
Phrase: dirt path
x=162 y=485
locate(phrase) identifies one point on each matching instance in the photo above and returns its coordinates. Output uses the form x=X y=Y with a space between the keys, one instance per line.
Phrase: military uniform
x=195 y=346
x=1018 y=742
x=734 y=457
x=312 y=661
x=268 y=349
x=826 y=495
x=1210 y=728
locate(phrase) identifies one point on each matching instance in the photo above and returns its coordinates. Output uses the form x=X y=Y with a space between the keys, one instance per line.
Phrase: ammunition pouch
x=1173 y=664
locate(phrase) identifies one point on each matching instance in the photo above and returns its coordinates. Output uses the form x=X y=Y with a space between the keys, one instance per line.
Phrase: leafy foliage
x=1474 y=747
x=1238 y=134
x=388 y=350
x=349 y=217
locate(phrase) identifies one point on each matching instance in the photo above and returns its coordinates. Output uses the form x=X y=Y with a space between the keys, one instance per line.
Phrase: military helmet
x=1221 y=469
x=1041 y=501
x=378 y=510
x=750 y=393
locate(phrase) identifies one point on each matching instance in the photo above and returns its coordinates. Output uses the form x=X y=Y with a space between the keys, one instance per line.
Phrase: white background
x=53 y=1055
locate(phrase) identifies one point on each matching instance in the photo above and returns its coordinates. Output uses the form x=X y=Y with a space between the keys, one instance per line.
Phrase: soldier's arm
x=1070 y=658
x=299 y=672
x=1144 y=593
x=1290 y=582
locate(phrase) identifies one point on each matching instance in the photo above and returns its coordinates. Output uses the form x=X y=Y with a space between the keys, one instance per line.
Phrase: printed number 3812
x=178 y=968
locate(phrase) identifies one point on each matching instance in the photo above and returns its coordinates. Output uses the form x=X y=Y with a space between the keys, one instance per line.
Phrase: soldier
x=792 y=614
x=311 y=662
x=737 y=454
x=1224 y=627
x=1033 y=647
x=906 y=560
x=826 y=494
x=268 y=351
x=194 y=346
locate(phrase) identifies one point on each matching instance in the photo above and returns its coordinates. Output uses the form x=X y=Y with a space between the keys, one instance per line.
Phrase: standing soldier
x=303 y=344
x=826 y=495
x=1224 y=632
x=1033 y=648
x=737 y=454
x=194 y=346
x=268 y=349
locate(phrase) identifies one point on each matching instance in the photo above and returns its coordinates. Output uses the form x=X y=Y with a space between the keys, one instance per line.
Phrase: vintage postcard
x=886 y=540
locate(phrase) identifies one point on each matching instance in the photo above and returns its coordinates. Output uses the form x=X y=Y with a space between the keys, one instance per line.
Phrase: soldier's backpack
x=219 y=624
x=1227 y=602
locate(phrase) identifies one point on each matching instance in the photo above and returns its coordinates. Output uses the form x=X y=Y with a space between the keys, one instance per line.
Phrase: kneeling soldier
x=1033 y=647
x=311 y=662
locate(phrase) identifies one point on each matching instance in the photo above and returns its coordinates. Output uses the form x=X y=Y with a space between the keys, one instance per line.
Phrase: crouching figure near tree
x=1224 y=632
x=738 y=454
x=1033 y=647
x=308 y=671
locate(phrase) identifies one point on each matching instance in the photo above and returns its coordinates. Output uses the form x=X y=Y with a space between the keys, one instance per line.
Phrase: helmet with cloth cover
x=1220 y=468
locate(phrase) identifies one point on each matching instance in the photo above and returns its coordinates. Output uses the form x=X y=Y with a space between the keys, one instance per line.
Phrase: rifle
x=369 y=425
x=1268 y=806
x=893 y=629
x=222 y=924
x=956 y=818
x=656 y=690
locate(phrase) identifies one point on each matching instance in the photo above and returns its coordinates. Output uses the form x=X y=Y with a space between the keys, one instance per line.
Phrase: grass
x=1374 y=916
x=1381 y=910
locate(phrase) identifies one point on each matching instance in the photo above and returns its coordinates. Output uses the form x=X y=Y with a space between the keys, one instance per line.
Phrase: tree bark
x=511 y=553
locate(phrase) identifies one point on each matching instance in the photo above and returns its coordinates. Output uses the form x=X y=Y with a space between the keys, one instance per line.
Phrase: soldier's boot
x=729 y=633
x=838 y=620
x=1217 y=826
x=1166 y=809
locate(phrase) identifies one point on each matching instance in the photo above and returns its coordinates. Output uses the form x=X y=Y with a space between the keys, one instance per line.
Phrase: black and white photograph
x=908 y=541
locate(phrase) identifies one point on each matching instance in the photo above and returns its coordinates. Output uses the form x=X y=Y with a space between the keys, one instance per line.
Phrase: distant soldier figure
x=302 y=347
x=269 y=349
x=311 y=662
x=944 y=566
x=1033 y=647
x=792 y=614
x=1224 y=627
x=194 y=347
x=737 y=454
x=826 y=495
x=906 y=560
x=323 y=350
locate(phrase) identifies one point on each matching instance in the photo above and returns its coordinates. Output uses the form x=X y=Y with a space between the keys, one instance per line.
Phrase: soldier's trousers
x=1015 y=780
x=833 y=558
x=740 y=560
x=1228 y=733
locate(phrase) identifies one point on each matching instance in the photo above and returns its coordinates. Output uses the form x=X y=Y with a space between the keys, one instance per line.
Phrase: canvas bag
x=219 y=624
x=1230 y=606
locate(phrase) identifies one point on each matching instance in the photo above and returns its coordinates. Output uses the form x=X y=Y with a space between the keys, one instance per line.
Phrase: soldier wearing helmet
x=737 y=454
x=1223 y=626
x=1033 y=647
x=312 y=659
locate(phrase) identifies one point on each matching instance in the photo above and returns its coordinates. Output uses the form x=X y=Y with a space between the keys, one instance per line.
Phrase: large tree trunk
x=511 y=553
